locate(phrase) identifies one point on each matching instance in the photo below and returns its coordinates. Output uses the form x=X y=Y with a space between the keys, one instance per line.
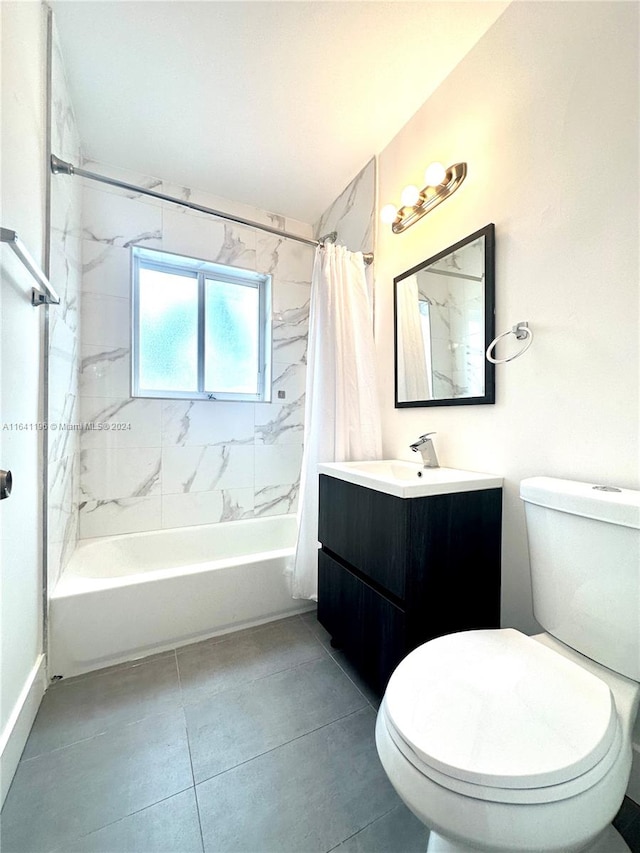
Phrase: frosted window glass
x=231 y=337
x=168 y=341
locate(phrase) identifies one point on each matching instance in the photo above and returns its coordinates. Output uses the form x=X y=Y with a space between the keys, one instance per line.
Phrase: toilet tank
x=584 y=548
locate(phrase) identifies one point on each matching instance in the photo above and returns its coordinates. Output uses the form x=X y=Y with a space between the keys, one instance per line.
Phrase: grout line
x=183 y=702
x=175 y=658
x=323 y=654
x=242 y=684
x=64 y=746
x=358 y=688
x=123 y=724
x=239 y=685
x=281 y=745
x=312 y=633
x=330 y=652
x=195 y=794
x=193 y=776
x=358 y=831
x=119 y=725
x=67 y=841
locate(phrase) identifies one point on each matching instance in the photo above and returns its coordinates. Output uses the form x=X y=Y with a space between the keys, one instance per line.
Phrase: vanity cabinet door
x=367 y=529
x=371 y=629
x=453 y=582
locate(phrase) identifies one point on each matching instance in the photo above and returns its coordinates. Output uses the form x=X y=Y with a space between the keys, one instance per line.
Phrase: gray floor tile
x=308 y=795
x=234 y=726
x=399 y=831
x=211 y=667
x=310 y=620
x=78 y=709
x=61 y=795
x=171 y=826
x=347 y=667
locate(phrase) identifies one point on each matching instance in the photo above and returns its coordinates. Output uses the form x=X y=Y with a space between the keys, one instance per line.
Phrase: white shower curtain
x=413 y=377
x=342 y=415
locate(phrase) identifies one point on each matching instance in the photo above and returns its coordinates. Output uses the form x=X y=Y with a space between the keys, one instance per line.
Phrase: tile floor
x=256 y=742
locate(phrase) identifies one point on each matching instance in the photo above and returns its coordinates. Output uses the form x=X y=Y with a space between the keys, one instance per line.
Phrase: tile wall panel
x=176 y=463
x=64 y=331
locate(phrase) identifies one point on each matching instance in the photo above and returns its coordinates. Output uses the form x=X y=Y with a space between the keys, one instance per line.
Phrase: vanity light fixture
x=440 y=183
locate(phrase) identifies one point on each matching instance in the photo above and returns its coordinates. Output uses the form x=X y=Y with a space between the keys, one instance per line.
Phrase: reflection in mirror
x=444 y=311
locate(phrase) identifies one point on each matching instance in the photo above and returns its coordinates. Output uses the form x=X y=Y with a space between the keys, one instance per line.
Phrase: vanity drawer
x=367 y=529
x=370 y=629
x=395 y=573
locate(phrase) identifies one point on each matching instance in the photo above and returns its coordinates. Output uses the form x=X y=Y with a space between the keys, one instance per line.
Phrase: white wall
x=23 y=206
x=545 y=112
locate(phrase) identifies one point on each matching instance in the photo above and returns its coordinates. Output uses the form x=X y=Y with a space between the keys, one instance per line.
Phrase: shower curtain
x=342 y=415
x=413 y=376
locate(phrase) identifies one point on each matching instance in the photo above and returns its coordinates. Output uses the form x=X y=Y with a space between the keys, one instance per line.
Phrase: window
x=200 y=330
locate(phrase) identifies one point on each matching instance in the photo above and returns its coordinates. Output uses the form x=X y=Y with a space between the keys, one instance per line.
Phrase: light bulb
x=388 y=213
x=410 y=196
x=435 y=174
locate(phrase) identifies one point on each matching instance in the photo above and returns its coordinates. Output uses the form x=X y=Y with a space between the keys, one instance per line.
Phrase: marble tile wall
x=352 y=214
x=442 y=365
x=64 y=350
x=457 y=342
x=457 y=321
x=174 y=463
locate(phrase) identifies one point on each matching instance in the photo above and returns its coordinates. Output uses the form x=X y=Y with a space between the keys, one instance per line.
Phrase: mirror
x=444 y=322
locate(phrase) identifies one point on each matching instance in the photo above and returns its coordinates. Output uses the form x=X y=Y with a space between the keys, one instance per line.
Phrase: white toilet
x=502 y=742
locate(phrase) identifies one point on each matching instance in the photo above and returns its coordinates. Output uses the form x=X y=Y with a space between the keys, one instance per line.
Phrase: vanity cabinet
x=395 y=572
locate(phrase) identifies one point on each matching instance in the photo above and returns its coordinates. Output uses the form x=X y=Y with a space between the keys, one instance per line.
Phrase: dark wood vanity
x=395 y=572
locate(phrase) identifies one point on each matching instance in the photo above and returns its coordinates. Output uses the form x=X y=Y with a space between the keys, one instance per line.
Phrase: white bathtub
x=125 y=597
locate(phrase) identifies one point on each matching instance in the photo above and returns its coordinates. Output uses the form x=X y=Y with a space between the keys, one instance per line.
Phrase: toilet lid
x=499 y=709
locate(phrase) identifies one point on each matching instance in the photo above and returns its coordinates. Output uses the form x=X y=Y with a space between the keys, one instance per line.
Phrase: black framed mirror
x=444 y=320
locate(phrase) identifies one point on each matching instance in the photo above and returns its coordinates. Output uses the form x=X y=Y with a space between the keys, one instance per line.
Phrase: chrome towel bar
x=45 y=294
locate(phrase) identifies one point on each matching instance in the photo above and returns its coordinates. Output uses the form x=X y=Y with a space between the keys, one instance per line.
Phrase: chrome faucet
x=428 y=452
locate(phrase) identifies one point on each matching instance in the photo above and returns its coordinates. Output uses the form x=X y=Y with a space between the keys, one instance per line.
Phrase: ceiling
x=276 y=104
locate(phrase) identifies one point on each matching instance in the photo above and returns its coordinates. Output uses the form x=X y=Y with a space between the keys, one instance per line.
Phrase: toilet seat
x=497 y=716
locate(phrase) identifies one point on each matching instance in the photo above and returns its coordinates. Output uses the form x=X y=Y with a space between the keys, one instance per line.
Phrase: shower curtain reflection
x=414 y=379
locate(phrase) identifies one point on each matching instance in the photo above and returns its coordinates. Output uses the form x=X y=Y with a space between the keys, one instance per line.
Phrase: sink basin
x=409 y=479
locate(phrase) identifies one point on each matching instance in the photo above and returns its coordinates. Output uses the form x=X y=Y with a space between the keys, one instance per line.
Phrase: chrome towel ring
x=522 y=333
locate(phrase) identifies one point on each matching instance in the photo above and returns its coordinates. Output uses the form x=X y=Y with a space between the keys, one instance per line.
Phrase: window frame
x=201 y=270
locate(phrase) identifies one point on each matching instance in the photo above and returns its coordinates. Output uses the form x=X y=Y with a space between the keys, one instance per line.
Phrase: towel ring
x=522 y=332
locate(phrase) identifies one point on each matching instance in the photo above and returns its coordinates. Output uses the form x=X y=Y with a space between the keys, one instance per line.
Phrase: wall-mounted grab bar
x=45 y=294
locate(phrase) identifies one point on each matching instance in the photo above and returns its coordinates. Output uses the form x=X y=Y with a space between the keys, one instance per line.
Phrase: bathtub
x=125 y=597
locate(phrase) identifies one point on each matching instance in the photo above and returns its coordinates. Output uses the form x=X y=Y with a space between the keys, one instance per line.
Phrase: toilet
x=498 y=741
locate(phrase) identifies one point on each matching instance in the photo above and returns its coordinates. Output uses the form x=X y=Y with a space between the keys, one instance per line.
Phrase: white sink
x=409 y=479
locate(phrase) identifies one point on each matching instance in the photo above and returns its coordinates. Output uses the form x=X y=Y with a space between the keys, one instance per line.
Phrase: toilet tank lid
x=591 y=500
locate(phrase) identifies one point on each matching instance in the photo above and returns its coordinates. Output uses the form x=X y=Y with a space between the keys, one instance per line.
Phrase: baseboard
x=16 y=732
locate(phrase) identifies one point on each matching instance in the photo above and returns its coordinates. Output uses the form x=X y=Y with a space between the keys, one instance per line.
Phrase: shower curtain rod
x=61 y=167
